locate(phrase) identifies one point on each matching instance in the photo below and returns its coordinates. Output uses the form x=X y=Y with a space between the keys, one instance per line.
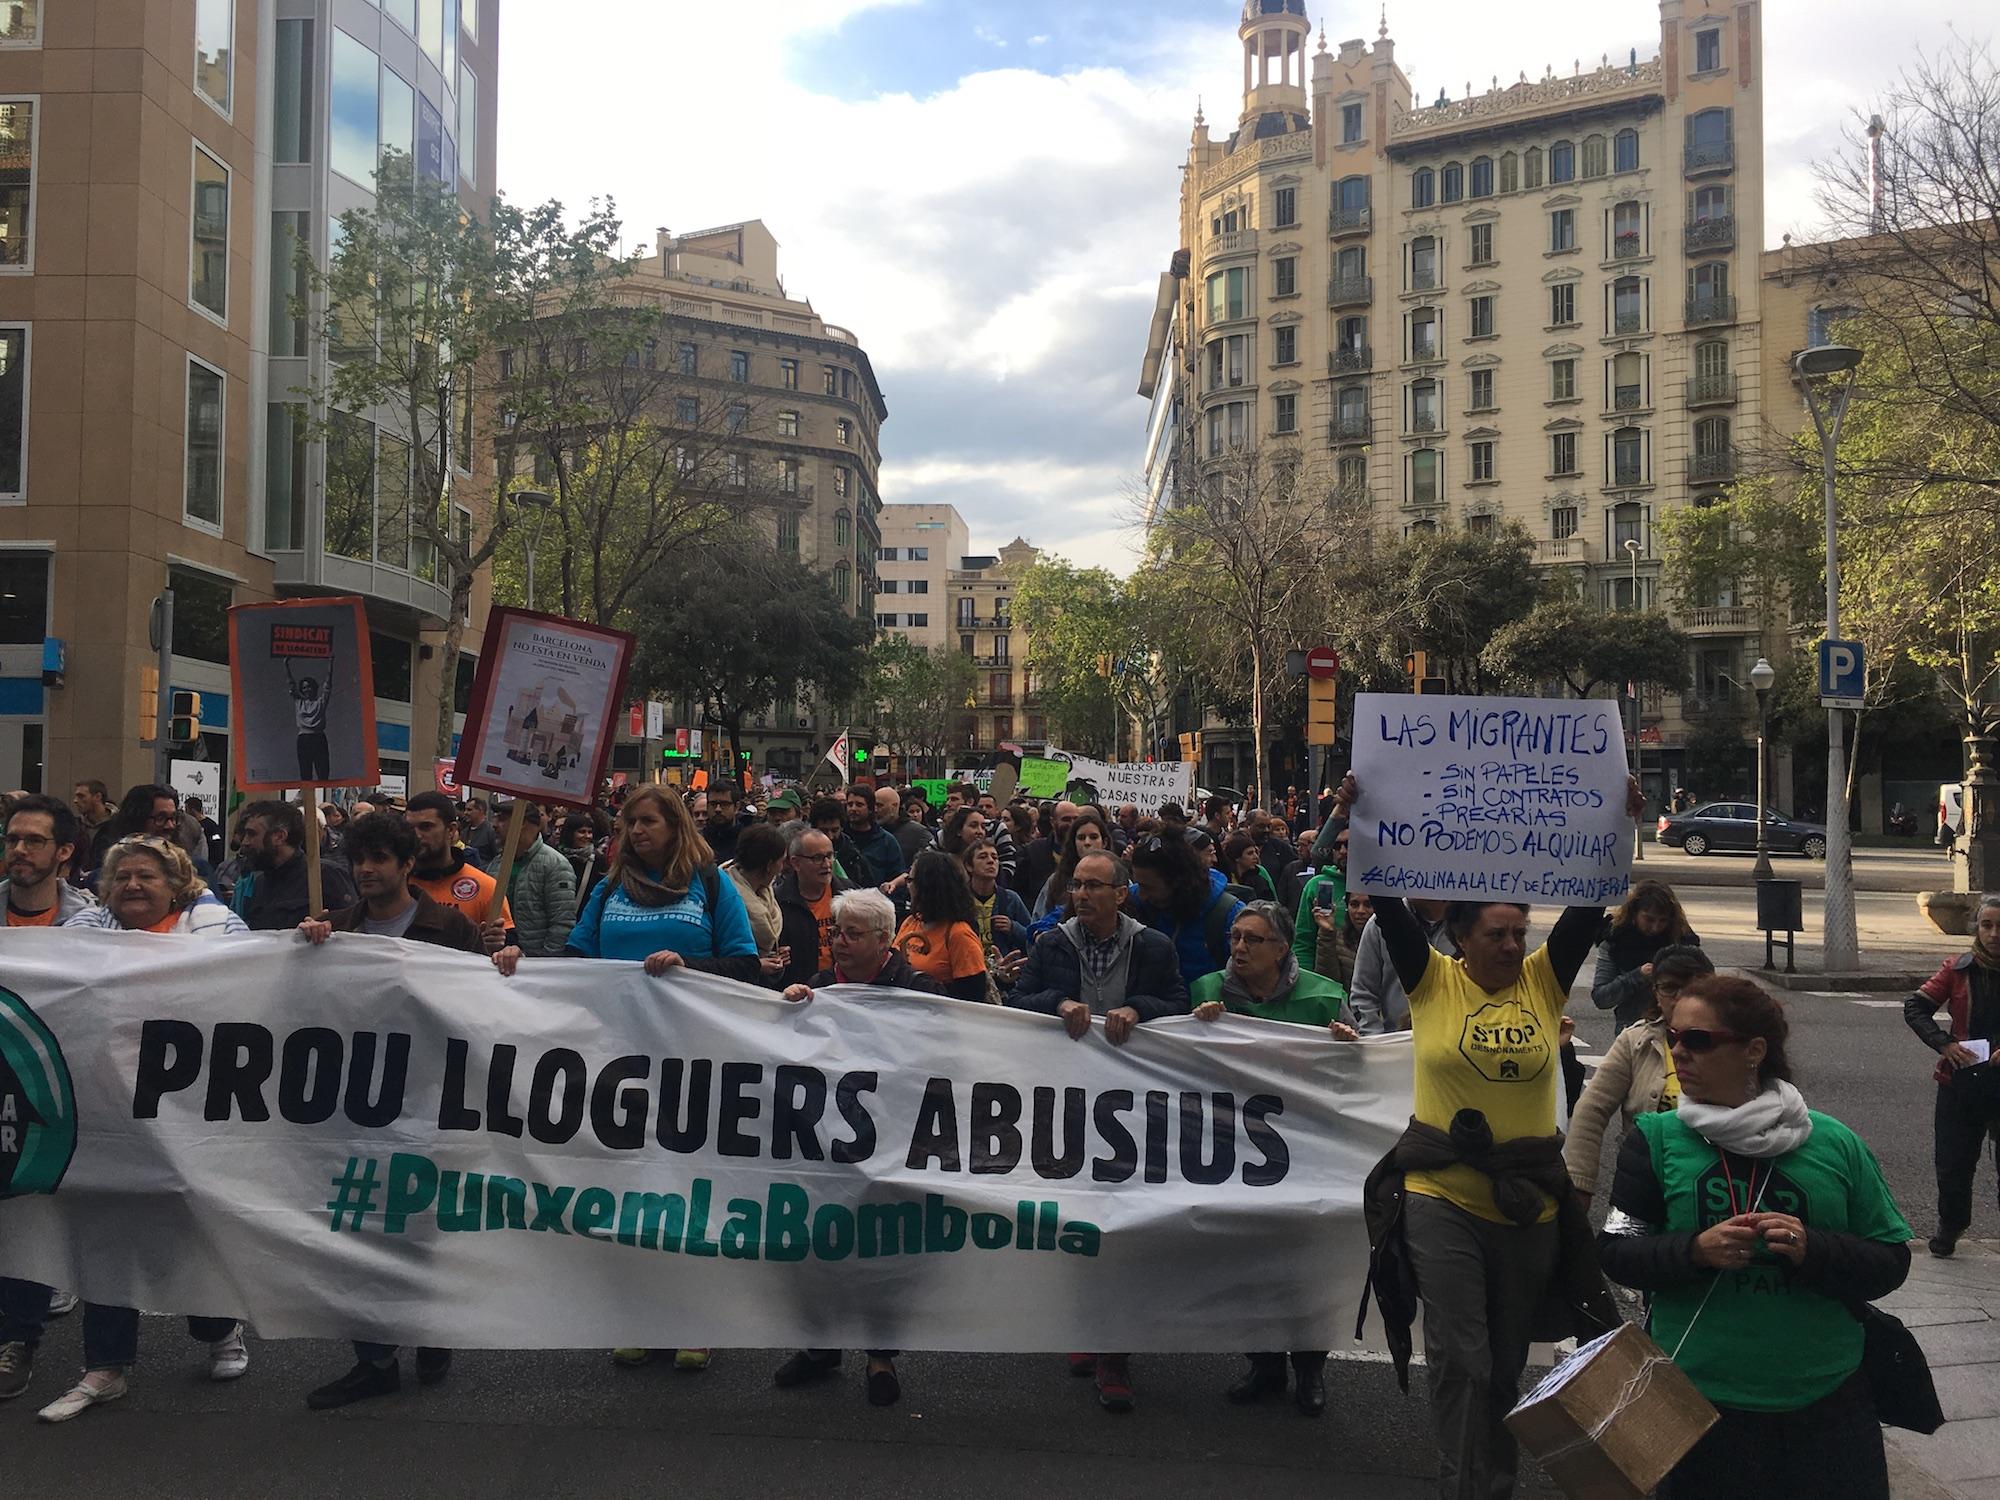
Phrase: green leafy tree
x=735 y=628
x=1564 y=640
x=919 y=696
x=415 y=303
x=1447 y=593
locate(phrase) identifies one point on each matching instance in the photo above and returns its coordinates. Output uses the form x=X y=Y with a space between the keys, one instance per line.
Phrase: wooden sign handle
x=509 y=846
x=309 y=805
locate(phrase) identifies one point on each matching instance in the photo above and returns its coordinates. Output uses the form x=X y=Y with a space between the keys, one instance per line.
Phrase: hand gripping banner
x=381 y=1140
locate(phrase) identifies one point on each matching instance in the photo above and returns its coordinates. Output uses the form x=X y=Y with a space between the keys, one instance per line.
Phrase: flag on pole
x=837 y=754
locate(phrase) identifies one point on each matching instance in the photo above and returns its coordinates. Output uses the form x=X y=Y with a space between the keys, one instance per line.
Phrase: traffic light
x=1416 y=666
x=184 y=718
x=863 y=752
x=148 y=705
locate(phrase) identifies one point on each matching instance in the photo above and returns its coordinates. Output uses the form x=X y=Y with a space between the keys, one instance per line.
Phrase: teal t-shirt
x=1766 y=1341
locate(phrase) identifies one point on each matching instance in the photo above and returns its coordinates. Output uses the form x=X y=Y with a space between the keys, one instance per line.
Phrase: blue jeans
x=24 y=1311
x=111 y=1335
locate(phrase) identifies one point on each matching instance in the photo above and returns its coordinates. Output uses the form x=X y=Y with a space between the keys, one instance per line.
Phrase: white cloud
x=994 y=243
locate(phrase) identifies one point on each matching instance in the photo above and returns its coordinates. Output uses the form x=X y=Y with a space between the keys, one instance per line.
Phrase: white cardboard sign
x=1500 y=799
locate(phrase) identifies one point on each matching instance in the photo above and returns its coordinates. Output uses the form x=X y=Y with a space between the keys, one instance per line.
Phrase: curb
x=1907 y=1479
x=1866 y=982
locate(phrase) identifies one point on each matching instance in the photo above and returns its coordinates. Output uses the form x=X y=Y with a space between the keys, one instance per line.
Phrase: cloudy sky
x=986 y=192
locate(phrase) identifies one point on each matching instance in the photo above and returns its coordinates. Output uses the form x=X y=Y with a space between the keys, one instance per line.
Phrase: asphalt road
x=973 y=1426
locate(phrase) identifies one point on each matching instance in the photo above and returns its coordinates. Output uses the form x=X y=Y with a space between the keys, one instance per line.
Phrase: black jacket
x=896 y=975
x=1523 y=1170
x=1849 y=1267
x=798 y=929
x=279 y=897
x=435 y=923
x=1054 y=973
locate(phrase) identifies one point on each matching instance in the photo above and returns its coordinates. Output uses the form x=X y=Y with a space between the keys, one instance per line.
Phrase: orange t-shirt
x=822 y=911
x=469 y=890
x=165 y=924
x=32 y=919
x=944 y=954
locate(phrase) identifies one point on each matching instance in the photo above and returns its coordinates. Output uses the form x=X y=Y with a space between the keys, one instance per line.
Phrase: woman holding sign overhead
x=1473 y=1201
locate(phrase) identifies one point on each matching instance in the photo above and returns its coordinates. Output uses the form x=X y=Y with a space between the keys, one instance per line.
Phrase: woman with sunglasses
x=1637 y=1075
x=149 y=885
x=1757 y=1224
x=1967 y=987
x=1489 y=1222
x=1263 y=979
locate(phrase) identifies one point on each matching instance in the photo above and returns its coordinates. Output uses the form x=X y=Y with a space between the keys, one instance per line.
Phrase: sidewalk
x=1953 y=1307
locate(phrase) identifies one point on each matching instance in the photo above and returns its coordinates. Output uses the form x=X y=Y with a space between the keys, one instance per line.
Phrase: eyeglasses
x=29 y=840
x=1092 y=885
x=856 y=934
x=815 y=859
x=1700 y=1039
x=1249 y=937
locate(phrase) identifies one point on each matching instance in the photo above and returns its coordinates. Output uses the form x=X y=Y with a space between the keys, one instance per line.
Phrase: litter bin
x=1780 y=908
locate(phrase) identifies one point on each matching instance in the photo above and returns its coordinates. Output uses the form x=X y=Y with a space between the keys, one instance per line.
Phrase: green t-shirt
x=1766 y=1341
x=1314 y=1000
x=1305 y=931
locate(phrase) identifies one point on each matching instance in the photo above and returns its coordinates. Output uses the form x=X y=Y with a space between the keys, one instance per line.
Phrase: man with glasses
x=805 y=894
x=1102 y=962
x=1326 y=891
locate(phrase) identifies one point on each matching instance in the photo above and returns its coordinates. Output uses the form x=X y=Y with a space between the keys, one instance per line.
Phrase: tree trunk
x=454 y=633
x=1256 y=779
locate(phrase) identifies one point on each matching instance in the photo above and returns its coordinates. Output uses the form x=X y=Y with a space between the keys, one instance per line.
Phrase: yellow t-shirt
x=1494 y=1053
x=1670 y=1092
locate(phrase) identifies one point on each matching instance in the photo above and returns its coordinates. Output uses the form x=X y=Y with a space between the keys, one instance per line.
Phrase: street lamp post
x=1761 y=678
x=1814 y=371
x=1638 y=754
x=540 y=502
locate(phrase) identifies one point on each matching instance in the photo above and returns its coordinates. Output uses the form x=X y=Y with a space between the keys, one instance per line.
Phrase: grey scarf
x=1237 y=998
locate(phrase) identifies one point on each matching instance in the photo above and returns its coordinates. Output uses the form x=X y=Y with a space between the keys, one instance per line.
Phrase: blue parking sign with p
x=1840 y=674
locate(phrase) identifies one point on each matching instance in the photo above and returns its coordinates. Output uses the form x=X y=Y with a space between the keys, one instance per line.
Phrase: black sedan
x=1733 y=825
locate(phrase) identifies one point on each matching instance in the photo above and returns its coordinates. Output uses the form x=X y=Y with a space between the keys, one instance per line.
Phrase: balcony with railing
x=1423 y=422
x=1711 y=390
x=1423 y=279
x=1626 y=246
x=1349 y=291
x=1425 y=351
x=1627 y=323
x=1721 y=619
x=1712 y=468
x=1352 y=360
x=1348 y=429
x=1715 y=308
x=1628 y=398
x=1231 y=242
x=1348 y=220
x=1715 y=233
x=1561 y=549
x=1711 y=156
x=1627 y=476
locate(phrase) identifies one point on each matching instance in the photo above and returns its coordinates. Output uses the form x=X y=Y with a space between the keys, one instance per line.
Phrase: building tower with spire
x=1525 y=304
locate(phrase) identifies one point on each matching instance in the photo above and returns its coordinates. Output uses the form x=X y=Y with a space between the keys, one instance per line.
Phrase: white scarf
x=1769 y=1125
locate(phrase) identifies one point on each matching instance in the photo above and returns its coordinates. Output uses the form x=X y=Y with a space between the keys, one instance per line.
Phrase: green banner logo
x=37 y=1103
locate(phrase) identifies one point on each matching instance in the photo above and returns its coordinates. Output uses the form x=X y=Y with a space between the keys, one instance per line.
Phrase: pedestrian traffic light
x=863 y=752
x=184 y=718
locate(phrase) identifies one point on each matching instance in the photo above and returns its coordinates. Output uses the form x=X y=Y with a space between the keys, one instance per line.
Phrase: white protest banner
x=545 y=699
x=1146 y=784
x=303 y=690
x=656 y=720
x=1501 y=799
x=383 y=1140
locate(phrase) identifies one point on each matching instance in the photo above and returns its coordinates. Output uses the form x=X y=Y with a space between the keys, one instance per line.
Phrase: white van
x=1951 y=812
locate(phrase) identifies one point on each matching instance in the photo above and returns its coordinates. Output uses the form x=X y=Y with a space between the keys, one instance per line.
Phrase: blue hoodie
x=1190 y=938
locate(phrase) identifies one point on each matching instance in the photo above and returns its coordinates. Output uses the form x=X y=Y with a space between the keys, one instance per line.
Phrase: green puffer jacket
x=541 y=894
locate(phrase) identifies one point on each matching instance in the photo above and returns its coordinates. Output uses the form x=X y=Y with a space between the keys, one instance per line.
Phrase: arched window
x=1423 y=188
x=1711 y=437
x=1628 y=450
x=1625 y=242
x=1708 y=139
x=1482 y=177
x=1424 y=476
x=1423 y=263
x=1593 y=156
x=841 y=574
x=1628 y=305
x=1531 y=167
x=1424 y=406
x=1510 y=172
x=1628 y=381
x=841 y=522
x=1625 y=151
x=1562 y=162
x=1451 y=183
x=1711 y=360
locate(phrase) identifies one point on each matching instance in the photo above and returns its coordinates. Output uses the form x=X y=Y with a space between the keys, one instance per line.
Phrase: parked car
x=1733 y=825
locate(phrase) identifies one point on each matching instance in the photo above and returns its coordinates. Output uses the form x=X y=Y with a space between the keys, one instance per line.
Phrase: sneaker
x=1114 y=1383
x=227 y=1358
x=631 y=1359
x=17 y=1367
x=96 y=1387
x=802 y=1367
x=1942 y=1245
x=361 y=1383
x=62 y=1304
x=1082 y=1365
x=433 y=1365
x=692 y=1360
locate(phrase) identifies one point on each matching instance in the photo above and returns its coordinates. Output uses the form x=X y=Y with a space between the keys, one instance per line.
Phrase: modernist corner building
x=158 y=159
x=1535 y=300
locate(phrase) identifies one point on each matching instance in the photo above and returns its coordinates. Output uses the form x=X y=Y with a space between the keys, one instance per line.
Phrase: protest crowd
x=1123 y=916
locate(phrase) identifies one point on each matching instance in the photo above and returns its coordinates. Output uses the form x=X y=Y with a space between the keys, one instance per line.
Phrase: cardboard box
x=1610 y=1421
